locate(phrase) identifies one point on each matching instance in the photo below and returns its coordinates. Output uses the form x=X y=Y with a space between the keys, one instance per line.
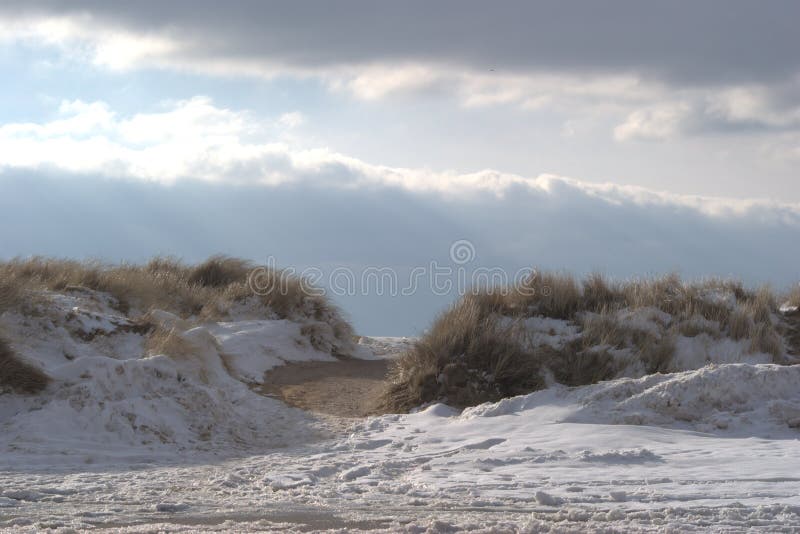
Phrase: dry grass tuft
x=168 y=341
x=551 y=295
x=575 y=366
x=740 y=324
x=206 y=291
x=17 y=375
x=443 y=363
x=220 y=271
x=656 y=354
x=793 y=298
x=10 y=295
x=332 y=336
x=761 y=305
x=765 y=339
x=663 y=292
x=474 y=352
x=131 y=285
x=605 y=329
x=698 y=325
x=599 y=295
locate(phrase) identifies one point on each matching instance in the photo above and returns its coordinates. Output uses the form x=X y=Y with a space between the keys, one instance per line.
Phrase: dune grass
x=211 y=290
x=468 y=355
x=793 y=298
x=207 y=291
x=11 y=294
x=18 y=375
x=476 y=351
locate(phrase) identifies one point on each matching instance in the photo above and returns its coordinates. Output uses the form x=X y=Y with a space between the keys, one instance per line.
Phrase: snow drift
x=154 y=385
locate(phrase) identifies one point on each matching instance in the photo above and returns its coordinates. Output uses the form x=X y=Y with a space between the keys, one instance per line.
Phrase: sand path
x=345 y=388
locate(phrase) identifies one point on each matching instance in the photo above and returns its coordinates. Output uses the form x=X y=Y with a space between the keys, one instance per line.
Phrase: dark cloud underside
x=696 y=42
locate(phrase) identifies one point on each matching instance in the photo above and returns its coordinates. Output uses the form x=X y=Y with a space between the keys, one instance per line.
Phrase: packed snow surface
x=127 y=439
x=715 y=447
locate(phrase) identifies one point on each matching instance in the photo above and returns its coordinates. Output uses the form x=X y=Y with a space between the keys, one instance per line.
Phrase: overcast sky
x=623 y=136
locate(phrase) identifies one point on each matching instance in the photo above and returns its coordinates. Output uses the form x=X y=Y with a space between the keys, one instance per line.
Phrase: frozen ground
x=178 y=443
x=553 y=460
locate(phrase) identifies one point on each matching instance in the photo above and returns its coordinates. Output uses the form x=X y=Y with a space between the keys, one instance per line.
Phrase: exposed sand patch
x=346 y=388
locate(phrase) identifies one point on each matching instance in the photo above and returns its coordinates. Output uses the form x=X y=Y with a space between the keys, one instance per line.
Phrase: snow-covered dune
x=115 y=393
x=714 y=448
x=154 y=425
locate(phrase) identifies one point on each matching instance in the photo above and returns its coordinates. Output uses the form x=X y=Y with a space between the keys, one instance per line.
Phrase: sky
x=624 y=137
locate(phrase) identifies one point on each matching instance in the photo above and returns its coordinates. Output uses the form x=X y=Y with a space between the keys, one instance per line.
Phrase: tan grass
x=18 y=375
x=463 y=339
x=220 y=271
x=169 y=342
x=761 y=306
x=206 y=291
x=604 y=329
x=765 y=339
x=472 y=339
x=662 y=292
x=793 y=297
x=550 y=294
x=574 y=365
x=656 y=353
x=131 y=285
x=10 y=295
x=599 y=294
x=740 y=324
x=321 y=336
x=697 y=325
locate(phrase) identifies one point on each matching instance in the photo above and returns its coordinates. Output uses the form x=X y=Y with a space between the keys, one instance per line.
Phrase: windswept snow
x=557 y=459
x=111 y=399
x=124 y=440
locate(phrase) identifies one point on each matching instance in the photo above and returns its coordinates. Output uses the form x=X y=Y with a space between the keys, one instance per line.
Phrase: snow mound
x=114 y=395
x=717 y=397
x=738 y=399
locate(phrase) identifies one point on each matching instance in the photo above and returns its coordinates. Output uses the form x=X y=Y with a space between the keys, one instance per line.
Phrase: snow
x=555 y=459
x=548 y=331
x=254 y=347
x=130 y=441
x=112 y=401
x=695 y=352
x=788 y=309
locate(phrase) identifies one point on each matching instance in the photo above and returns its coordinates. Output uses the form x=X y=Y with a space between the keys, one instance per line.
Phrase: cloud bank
x=196 y=140
x=731 y=41
x=660 y=71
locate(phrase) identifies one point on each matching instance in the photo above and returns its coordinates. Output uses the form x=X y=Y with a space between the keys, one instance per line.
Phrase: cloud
x=733 y=63
x=292 y=119
x=190 y=138
x=751 y=108
x=658 y=123
x=730 y=40
x=197 y=141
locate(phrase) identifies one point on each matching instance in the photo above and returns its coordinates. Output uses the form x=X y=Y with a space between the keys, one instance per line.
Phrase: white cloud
x=293 y=119
x=752 y=104
x=191 y=138
x=194 y=139
x=83 y=37
x=656 y=123
x=698 y=111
